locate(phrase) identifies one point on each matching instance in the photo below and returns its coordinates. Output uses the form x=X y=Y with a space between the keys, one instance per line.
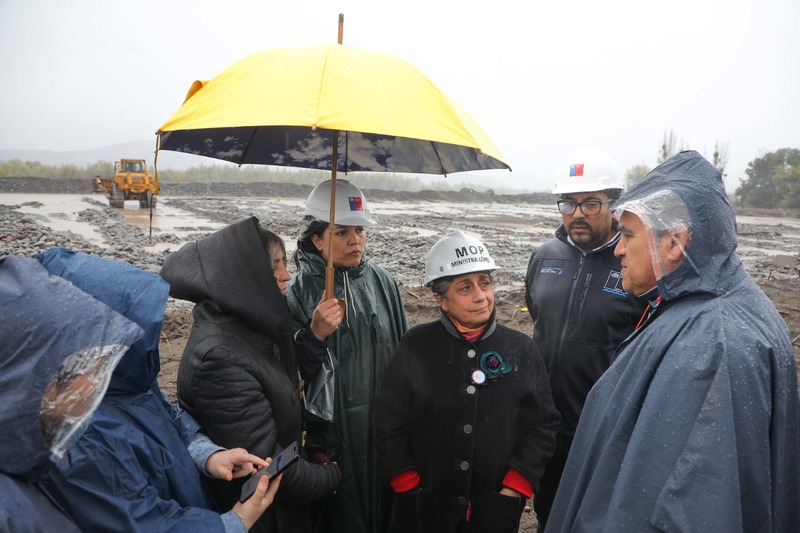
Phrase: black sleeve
x=310 y=352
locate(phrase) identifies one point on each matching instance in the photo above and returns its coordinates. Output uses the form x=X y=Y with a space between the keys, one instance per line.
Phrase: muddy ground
x=510 y=225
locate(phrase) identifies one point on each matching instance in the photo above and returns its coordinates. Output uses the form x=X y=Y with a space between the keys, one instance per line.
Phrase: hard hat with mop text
x=455 y=254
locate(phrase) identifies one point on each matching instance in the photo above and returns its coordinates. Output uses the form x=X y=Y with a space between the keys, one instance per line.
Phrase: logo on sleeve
x=551 y=270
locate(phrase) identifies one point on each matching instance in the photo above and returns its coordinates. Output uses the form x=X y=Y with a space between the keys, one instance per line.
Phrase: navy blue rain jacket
x=695 y=426
x=131 y=470
x=43 y=320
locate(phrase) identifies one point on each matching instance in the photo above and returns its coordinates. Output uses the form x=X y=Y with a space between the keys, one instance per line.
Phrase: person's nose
x=578 y=213
x=353 y=238
x=283 y=275
x=478 y=295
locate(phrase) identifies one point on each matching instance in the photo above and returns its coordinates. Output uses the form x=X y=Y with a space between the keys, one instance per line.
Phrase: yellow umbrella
x=329 y=107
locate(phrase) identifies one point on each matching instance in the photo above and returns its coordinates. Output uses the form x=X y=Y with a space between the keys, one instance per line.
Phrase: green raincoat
x=362 y=347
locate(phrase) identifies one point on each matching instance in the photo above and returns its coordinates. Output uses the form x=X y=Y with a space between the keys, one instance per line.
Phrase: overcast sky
x=542 y=78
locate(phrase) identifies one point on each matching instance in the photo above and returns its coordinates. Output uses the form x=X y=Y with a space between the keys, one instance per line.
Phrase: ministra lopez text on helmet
x=457 y=253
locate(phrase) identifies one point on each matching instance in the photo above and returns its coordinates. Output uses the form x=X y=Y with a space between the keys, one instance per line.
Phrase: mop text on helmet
x=455 y=254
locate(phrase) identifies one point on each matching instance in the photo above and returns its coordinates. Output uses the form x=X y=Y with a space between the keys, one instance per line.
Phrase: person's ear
x=679 y=241
x=441 y=301
x=317 y=242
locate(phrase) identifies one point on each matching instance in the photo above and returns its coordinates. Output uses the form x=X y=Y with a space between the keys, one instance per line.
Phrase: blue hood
x=136 y=294
x=44 y=320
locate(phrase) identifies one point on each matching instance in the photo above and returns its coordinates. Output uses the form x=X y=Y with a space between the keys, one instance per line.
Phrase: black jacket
x=238 y=376
x=461 y=437
x=580 y=314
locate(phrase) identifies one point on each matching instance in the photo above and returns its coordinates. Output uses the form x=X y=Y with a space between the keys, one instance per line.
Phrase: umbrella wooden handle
x=329 y=282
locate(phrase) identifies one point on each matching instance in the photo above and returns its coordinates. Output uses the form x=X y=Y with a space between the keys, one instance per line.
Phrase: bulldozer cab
x=131 y=181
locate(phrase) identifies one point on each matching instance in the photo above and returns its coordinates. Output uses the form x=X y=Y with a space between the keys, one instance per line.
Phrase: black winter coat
x=462 y=438
x=237 y=376
x=580 y=314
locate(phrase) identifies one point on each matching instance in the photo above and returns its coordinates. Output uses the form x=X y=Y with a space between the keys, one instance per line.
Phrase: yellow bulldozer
x=131 y=181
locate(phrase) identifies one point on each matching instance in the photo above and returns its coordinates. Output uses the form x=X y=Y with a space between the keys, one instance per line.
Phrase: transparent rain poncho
x=59 y=349
x=74 y=393
x=664 y=216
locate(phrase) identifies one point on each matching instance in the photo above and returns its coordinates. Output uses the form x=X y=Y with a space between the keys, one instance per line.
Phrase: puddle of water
x=769 y=221
x=59 y=212
x=524 y=223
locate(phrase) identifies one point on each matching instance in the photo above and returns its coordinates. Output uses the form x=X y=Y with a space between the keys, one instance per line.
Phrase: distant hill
x=114 y=152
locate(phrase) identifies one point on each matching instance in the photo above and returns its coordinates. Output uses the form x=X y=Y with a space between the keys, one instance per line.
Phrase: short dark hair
x=305 y=244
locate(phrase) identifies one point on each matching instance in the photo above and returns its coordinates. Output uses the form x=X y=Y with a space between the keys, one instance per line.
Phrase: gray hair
x=440 y=285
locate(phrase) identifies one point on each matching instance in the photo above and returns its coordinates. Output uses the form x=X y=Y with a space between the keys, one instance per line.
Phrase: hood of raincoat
x=686 y=193
x=46 y=320
x=231 y=269
x=138 y=295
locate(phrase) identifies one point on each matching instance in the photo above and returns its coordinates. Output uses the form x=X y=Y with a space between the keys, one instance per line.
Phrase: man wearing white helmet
x=464 y=420
x=374 y=320
x=575 y=297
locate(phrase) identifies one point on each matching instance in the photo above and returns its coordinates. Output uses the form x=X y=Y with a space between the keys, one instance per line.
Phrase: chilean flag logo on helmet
x=356 y=204
x=576 y=169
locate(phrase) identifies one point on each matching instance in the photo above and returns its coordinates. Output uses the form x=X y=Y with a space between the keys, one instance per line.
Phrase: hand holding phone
x=279 y=463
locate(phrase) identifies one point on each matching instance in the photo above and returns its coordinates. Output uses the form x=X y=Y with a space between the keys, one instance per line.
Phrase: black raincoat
x=362 y=347
x=695 y=426
x=238 y=376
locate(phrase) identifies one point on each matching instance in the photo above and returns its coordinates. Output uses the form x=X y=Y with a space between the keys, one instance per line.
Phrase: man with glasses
x=575 y=297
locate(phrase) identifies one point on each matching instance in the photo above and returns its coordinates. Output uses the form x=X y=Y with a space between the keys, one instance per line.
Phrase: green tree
x=634 y=174
x=773 y=180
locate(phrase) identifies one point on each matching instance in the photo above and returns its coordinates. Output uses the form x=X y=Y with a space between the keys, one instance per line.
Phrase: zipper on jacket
x=583 y=297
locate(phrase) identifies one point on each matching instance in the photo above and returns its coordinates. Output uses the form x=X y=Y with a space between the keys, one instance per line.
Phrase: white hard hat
x=454 y=254
x=589 y=170
x=351 y=204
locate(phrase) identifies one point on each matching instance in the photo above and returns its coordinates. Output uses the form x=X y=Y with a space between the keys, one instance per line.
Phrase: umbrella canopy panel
x=294 y=146
x=281 y=106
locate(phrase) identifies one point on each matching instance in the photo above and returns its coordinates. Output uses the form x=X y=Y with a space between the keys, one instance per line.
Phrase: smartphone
x=279 y=463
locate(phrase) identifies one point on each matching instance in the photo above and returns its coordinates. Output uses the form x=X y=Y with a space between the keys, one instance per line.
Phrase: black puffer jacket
x=238 y=376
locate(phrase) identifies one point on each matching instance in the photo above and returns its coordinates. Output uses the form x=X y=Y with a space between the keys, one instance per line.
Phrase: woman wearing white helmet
x=361 y=347
x=464 y=420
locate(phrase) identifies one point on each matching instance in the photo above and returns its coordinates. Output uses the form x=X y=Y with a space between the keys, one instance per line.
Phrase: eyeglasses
x=588 y=208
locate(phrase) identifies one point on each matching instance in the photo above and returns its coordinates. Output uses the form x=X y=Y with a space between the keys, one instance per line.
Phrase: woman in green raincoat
x=360 y=350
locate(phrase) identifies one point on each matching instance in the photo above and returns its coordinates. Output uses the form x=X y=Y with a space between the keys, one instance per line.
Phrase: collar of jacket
x=316 y=262
x=563 y=236
x=453 y=330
